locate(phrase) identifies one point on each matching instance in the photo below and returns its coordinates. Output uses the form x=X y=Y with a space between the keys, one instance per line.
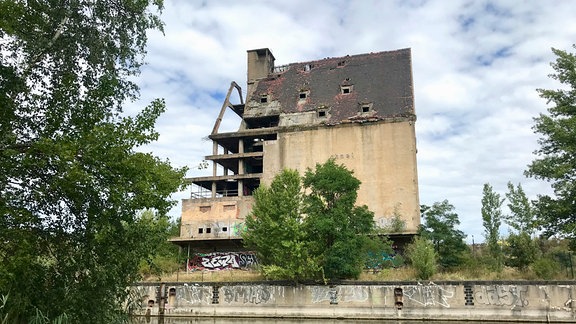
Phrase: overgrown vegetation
x=305 y=228
x=72 y=180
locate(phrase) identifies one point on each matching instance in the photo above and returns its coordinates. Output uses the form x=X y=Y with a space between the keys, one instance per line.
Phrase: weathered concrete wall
x=478 y=301
x=381 y=154
x=224 y=217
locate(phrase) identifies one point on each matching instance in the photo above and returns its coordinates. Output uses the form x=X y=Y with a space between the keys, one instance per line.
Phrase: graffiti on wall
x=194 y=295
x=501 y=295
x=257 y=294
x=238 y=229
x=338 y=294
x=222 y=260
x=429 y=295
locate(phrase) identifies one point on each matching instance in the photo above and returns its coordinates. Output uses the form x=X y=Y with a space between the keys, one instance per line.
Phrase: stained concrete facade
x=481 y=301
x=356 y=109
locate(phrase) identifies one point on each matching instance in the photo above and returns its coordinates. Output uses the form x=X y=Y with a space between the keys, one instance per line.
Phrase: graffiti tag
x=257 y=294
x=505 y=295
x=429 y=295
x=220 y=261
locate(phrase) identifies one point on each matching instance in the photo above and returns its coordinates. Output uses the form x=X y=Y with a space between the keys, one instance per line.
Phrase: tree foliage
x=71 y=182
x=439 y=227
x=423 y=258
x=337 y=228
x=305 y=227
x=556 y=160
x=491 y=220
x=520 y=250
x=522 y=212
x=274 y=229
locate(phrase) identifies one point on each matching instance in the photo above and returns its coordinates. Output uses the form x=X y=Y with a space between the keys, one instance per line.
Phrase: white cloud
x=476 y=66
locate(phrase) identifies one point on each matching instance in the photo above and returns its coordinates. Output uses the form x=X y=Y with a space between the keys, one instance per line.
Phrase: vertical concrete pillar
x=240 y=168
x=162 y=299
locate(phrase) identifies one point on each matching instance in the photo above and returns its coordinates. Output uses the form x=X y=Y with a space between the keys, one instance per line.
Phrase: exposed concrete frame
x=227 y=104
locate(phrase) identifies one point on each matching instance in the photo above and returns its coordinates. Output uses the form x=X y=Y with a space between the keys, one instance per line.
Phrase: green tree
x=556 y=160
x=422 y=257
x=308 y=227
x=163 y=256
x=492 y=219
x=439 y=226
x=522 y=212
x=71 y=182
x=274 y=230
x=339 y=231
x=520 y=250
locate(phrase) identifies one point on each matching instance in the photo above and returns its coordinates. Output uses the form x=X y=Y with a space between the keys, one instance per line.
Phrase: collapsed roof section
x=366 y=87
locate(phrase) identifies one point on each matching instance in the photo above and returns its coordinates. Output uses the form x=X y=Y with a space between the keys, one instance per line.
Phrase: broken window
x=308 y=67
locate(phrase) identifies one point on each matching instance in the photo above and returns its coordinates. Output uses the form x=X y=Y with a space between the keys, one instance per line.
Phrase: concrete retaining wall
x=482 y=301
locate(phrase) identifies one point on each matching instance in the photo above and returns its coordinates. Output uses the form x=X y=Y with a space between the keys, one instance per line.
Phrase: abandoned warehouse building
x=356 y=109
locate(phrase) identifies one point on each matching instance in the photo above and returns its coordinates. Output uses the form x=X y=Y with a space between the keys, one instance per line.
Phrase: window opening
x=200 y=231
x=303 y=95
x=208 y=230
x=205 y=209
x=321 y=113
x=346 y=89
x=365 y=107
x=264 y=99
x=224 y=229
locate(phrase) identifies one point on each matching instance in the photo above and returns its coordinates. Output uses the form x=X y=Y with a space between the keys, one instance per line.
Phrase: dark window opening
x=208 y=230
x=200 y=230
x=264 y=99
x=224 y=229
x=322 y=113
x=345 y=90
x=303 y=95
x=365 y=108
x=341 y=63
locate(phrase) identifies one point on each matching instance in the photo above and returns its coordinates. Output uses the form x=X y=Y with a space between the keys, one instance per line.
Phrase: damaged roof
x=351 y=88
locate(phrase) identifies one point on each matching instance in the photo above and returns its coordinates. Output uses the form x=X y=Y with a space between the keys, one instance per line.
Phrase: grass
x=405 y=273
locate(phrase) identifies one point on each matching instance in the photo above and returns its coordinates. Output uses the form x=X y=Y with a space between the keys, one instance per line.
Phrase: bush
x=545 y=268
x=422 y=256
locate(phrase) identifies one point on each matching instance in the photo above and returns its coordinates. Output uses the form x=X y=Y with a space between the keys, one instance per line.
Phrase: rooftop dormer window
x=303 y=94
x=345 y=89
x=322 y=111
x=365 y=107
x=264 y=98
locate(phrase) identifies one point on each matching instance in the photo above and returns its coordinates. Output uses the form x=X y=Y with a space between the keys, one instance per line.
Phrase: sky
x=476 y=67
